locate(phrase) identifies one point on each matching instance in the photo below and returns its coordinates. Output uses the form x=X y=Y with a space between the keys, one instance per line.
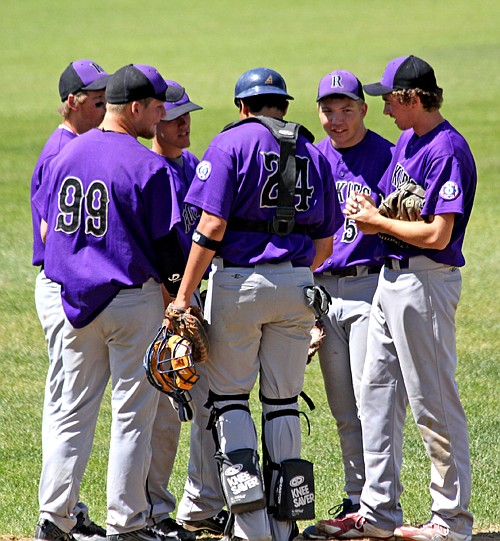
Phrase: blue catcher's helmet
x=259 y=81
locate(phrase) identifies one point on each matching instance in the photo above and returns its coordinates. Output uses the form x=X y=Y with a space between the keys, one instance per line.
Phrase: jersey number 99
x=74 y=202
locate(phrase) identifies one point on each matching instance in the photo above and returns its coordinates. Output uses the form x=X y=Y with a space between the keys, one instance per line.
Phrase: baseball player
x=411 y=350
x=259 y=318
x=81 y=89
x=108 y=223
x=358 y=158
x=202 y=503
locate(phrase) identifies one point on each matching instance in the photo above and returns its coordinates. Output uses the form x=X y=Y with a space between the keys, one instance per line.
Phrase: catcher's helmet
x=169 y=363
x=260 y=81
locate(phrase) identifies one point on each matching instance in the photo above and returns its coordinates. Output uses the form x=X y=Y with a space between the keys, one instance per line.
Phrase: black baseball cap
x=402 y=73
x=81 y=75
x=137 y=82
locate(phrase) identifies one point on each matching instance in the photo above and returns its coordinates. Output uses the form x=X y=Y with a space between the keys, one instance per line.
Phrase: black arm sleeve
x=171 y=261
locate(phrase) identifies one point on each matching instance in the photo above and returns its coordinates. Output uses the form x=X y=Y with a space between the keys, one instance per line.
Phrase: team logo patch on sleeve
x=203 y=170
x=449 y=191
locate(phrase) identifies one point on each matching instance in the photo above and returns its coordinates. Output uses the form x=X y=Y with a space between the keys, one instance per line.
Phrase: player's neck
x=168 y=151
x=426 y=122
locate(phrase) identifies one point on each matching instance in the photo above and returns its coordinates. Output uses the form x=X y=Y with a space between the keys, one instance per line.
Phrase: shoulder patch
x=449 y=191
x=203 y=170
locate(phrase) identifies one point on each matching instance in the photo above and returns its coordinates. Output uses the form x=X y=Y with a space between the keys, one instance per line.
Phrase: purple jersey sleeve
x=358 y=168
x=59 y=138
x=109 y=199
x=237 y=178
x=442 y=163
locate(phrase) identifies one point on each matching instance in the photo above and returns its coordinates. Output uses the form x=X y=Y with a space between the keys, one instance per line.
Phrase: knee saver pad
x=294 y=490
x=241 y=480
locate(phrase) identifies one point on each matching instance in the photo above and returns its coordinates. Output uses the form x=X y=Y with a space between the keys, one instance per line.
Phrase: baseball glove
x=317 y=339
x=190 y=324
x=405 y=203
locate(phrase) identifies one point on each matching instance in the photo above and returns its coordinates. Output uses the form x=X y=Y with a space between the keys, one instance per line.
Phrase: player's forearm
x=433 y=235
x=198 y=261
x=324 y=248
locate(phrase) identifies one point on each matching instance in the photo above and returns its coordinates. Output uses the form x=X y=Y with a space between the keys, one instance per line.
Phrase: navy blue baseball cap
x=81 y=75
x=405 y=72
x=175 y=109
x=340 y=83
x=137 y=82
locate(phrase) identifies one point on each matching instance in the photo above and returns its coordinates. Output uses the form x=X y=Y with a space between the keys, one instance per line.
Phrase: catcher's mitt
x=190 y=324
x=317 y=339
x=405 y=203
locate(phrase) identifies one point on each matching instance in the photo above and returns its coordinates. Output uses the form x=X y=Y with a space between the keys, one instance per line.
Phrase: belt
x=139 y=286
x=397 y=264
x=353 y=270
x=227 y=264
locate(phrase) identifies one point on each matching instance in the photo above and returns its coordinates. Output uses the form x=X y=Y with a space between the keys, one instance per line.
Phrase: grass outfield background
x=206 y=45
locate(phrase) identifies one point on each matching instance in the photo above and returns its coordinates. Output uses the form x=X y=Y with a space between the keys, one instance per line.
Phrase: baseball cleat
x=170 y=530
x=86 y=529
x=429 y=532
x=344 y=508
x=339 y=511
x=214 y=525
x=144 y=534
x=48 y=531
x=352 y=527
x=311 y=532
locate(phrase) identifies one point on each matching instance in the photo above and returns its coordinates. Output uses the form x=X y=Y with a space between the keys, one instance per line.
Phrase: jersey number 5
x=71 y=201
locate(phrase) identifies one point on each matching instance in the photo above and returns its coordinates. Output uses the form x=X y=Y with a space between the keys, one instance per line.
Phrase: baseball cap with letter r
x=137 y=82
x=403 y=73
x=81 y=75
x=340 y=83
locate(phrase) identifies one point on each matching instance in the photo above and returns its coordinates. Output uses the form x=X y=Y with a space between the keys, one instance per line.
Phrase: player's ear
x=244 y=109
x=135 y=107
x=72 y=103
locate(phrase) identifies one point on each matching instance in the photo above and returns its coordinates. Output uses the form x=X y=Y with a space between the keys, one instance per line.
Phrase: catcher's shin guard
x=291 y=482
x=240 y=474
x=241 y=480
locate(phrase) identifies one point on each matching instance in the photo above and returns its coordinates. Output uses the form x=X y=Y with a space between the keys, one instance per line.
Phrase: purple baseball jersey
x=358 y=168
x=182 y=173
x=237 y=178
x=105 y=203
x=442 y=163
x=59 y=138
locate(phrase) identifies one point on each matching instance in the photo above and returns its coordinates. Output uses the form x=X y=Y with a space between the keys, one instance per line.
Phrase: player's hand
x=362 y=209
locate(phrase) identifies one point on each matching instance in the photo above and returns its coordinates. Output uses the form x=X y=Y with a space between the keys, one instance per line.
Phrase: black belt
x=228 y=265
x=396 y=264
x=139 y=286
x=352 y=271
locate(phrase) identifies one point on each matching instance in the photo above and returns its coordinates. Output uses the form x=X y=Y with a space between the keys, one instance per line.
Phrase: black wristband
x=206 y=242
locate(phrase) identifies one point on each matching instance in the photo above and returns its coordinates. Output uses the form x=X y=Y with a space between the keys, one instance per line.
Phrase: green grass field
x=206 y=45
